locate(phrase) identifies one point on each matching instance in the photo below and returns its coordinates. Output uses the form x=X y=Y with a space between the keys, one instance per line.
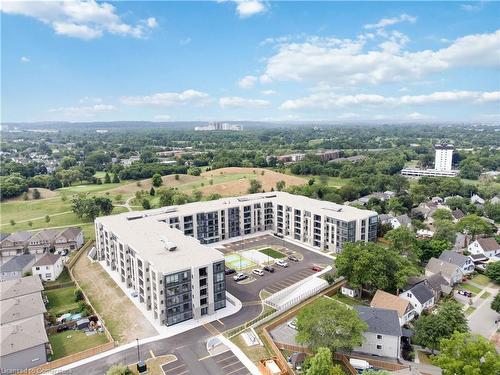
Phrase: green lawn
x=61 y=300
x=481 y=280
x=90 y=188
x=470 y=310
x=74 y=341
x=485 y=295
x=63 y=278
x=331 y=181
x=272 y=253
x=470 y=288
x=28 y=210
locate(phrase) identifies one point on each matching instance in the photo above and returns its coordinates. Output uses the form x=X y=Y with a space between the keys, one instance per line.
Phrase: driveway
x=482 y=320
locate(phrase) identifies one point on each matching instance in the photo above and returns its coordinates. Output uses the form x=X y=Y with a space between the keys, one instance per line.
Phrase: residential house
x=420 y=297
x=477 y=200
x=3 y=236
x=437 y=200
x=457 y=215
x=42 y=241
x=384 y=300
x=349 y=291
x=495 y=200
x=48 y=267
x=451 y=272
x=385 y=218
x=69 y=239
x=24 y=342
x=383 y=336
x=15 y=244
x=487 y=247
x=461 y=241
x=401 y=221
x=16 y=267
x=424 y=210
x=466 y=263
x=438 y=285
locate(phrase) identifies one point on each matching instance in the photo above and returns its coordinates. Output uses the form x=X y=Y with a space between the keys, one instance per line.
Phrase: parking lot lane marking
x=183 y=372
x=152 y=354
x=175 y=368
x=203 y=358
x=180 y=347
x=220 y=321
x=238 y=369
x=231 y=364
x=211 y=329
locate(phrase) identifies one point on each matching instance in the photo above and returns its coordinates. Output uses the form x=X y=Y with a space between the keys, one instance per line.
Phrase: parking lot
x=248 y=290
x=225 y=364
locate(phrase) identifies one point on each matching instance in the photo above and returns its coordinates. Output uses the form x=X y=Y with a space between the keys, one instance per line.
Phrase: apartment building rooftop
x=167 y=250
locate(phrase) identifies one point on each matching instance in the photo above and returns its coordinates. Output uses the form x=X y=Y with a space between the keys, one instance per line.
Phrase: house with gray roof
x=3 y=236
x=401 y=221
x=69 y=239
x=488 y=247
x=48 y=267
x=466 y=263
x=23 y=339
x=420 y=297
x=438 y=285
x=42 y=241
x=383 y=335
x=457 y=215
x=17 y=267
x=451 y=272
x=15 y=244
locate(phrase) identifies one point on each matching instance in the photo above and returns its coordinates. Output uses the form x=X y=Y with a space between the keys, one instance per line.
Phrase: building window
x=379 y=337
x=379 y=347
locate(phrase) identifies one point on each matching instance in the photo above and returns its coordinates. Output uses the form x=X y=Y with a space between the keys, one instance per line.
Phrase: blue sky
x=250 y=60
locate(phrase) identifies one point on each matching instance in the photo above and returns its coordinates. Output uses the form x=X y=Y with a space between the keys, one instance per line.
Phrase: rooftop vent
x=169 y=245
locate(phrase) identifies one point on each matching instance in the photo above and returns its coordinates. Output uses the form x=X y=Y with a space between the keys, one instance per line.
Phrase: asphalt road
x=190 y=347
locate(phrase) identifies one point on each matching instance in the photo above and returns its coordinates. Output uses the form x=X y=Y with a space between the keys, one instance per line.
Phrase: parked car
x=258 y=271
x=316 y=268
x=281 y=263
x=293 y=258
x=229 y=271
x=134 y=294
x=465 y=293
x=292 y=324
x=269 y=269
x=239 y=277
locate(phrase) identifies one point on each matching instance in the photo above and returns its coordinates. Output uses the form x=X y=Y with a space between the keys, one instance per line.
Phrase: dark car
x=316 y=268
x=269 y=269
x=229 y=271
x=293 y=258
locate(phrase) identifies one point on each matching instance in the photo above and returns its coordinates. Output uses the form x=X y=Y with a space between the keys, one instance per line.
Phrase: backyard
x=61 y=301
x=74 y=341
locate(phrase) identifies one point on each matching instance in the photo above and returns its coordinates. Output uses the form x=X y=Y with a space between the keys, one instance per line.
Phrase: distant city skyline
x=250 y=60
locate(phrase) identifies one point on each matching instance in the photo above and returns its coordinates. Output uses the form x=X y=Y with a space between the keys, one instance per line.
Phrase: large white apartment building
x=160 y=253
x=444 y=156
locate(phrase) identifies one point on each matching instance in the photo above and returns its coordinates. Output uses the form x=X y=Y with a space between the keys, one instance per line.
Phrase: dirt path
x=122 y=318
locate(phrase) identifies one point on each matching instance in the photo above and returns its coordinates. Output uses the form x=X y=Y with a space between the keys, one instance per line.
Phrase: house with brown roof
x=48 y=267
x=69 y=239
x=15 y=244
x=488 y=247
x=384 y=300
x=450 y=272
x=42 y=241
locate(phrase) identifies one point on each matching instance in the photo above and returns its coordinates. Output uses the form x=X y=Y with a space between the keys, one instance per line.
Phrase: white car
x=281 y=263
x=258 y=271
x=292 y=324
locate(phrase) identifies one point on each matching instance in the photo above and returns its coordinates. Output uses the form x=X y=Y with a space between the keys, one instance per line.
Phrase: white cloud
x=347 y=116
x=247 y=82
x=268 y=92
x=82 y=112
x=418 y=116
x=168 y=99
x=330 y=100
x=471 y=7
x=347 y=62
x=247 y=8
x=79 y=19
x=238 y=102
x=90 y=99
x=384 y=22
x=25 y=59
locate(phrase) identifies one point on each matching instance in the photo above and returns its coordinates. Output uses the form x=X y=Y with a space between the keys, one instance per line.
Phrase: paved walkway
x=482 y=320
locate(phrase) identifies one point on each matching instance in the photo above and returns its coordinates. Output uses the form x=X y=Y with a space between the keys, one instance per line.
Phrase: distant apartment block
x=160 y=253
x=442 y=164
x=219 y=126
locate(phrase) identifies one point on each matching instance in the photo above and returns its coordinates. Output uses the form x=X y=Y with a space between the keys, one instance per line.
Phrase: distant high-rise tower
x=444 y=155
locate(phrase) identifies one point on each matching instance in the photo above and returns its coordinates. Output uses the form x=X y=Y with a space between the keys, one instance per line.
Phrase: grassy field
x=481 y=280
x=471 y=288
x=347 y=300
x=485 y=295
x=470 y=310
x=61 y=300
x=74 y=341
x=272 y=253
x=63 y=278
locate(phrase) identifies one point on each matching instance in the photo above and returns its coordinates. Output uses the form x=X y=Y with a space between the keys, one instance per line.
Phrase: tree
x=107 y=179
x=493 y=271
x=197 y=195
x=119 y=370
x=492 y=211
x=25 y=196
x=322 y=363
x=467 y=354
x=145 y=204
x=395 y=205
x=30 y=223
x=371 y=266
x=12 y=222
x=329 y=324
x=47 y=218
x=280 y=185
x=36 y=194
x=194 y=171
x=404 y=241
x=442 y=214
x=177 y=177
x=78 y=295
x=89 y=208
x=474 y=225
x=157 y=180
x=432 y=249
x=152 y=191
x=431 y=329
x=116 y=179
x=255 y=186
x=495 y=304
x=445 y=230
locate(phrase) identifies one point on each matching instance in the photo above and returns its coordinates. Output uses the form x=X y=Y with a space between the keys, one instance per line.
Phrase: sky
x=250 y=60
